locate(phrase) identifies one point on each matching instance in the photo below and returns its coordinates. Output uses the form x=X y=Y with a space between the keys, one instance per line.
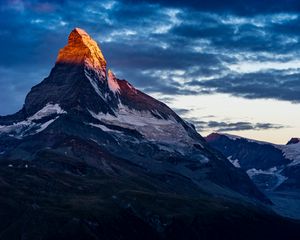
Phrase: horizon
x=222 y=79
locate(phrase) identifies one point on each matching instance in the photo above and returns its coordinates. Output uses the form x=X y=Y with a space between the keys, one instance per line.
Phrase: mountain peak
x=293 y=140
x=82 y=50
x=80 y=32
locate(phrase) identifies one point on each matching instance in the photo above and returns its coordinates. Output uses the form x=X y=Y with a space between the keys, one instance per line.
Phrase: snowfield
x=30 y=126
x=292 y=152
x=235 y=162
x=272 y=171
x=151 y=127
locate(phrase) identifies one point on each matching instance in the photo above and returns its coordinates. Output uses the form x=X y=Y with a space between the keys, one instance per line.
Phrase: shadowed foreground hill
x=40 y=204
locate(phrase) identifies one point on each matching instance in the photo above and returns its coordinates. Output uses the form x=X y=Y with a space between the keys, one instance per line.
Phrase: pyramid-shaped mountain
x=82 y=99
x=91 y=145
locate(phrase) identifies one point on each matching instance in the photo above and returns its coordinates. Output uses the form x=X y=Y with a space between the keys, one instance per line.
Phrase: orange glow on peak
x=82 y=49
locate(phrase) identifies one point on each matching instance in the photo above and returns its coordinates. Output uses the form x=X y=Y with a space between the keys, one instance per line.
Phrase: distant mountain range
x=270 y=166
x=275 y=169
x=91 y=157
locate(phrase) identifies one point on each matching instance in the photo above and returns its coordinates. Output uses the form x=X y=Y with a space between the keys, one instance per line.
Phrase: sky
x=227 y=66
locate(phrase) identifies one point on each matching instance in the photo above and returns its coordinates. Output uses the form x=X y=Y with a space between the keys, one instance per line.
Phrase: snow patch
x=253 y=171
x=166 y=148
x=23 y=128
x=272 y=171
x=48 y=110
x=94 y=84
x=291 y=152
x=104 y=128
x=112 y=82
x=45 y=125
x=131 y=117
x=151 y=127
x=235 y=162
x=204 y=159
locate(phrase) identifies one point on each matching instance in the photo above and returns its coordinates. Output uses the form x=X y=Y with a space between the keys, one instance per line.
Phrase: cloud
x=280 y=85
x=238 y=7
x=167 y=47
x=182 y=111
x=222 y=126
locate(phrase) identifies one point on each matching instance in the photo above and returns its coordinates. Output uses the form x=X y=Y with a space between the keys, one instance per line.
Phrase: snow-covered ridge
x=235 y=137
x=151 y=127
x=48 y=110
x=30 y=126
x=290 y=151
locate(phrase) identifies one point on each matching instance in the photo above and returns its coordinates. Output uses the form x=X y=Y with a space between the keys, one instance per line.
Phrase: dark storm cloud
x=229 y=33
x=145 y=57
x=241 y=126
x=167 y=47
x=220 y=6
x=281 y=85
x=221 y=126
x=239 y=7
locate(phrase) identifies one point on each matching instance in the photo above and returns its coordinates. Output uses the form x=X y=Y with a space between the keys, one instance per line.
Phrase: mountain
x=89 y=156
x=270 y=166
x=293 y=141
x=79 y=101
x=274 y=168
